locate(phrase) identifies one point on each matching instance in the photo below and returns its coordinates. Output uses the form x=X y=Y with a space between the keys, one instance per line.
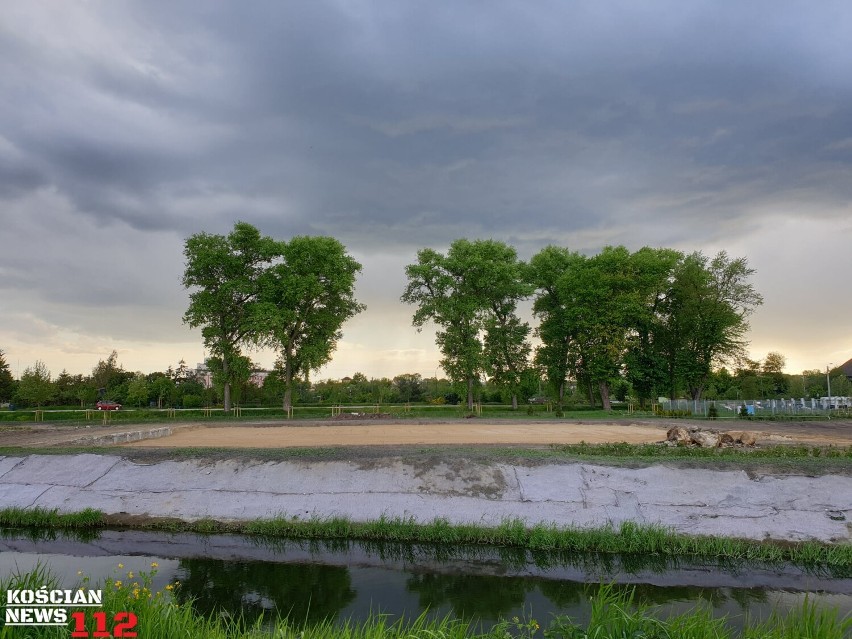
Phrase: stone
x=739 y=437
x=705 y=439
x=748 y=439
x=678 y=435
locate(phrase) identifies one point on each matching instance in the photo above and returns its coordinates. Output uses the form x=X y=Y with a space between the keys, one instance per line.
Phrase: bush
x=712 y=412
x=661 y=412
x=192 y=401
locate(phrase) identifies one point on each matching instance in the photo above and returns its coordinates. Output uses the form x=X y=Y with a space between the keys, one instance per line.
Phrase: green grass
x=76 y=416
x=627 y=539
x=655 y=451
x=44 y=518
x=810 y=458
x=613 y=615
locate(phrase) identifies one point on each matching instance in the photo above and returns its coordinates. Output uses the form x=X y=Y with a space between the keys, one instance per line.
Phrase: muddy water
x=305 y=580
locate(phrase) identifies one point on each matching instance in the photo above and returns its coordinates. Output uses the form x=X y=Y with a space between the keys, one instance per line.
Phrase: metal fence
x=759 y=408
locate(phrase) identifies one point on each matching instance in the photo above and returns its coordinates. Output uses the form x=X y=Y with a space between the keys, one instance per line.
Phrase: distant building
x=204 y=376
x=847 y=369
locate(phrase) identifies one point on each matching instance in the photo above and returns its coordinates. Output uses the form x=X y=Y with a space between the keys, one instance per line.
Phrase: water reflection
x=308 y=592
x=308 y=581
x=469 y=596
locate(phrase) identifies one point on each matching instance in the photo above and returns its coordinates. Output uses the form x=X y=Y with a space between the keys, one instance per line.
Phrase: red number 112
x=124 y=622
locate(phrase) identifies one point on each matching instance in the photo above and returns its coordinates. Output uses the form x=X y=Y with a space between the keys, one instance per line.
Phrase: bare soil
x=385 y=432
x=407 y=433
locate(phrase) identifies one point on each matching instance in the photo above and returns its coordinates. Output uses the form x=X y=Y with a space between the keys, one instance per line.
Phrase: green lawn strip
x=615 y=612
x=794 y=460
x=70 y=417
x=629 y=538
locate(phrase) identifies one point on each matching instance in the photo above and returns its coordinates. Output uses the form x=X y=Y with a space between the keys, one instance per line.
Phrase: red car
x=108 y=405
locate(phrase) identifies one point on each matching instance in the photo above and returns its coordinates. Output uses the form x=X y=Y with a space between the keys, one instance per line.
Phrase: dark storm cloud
x=418 y=123
x=126 y=126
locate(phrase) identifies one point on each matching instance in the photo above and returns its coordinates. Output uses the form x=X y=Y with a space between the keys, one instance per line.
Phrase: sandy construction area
x=406 y=433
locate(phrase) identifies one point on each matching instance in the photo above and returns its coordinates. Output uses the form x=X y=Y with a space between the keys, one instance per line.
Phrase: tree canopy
x=251 y=290
x=304 y=300
x=223 y=272
x=471 y=293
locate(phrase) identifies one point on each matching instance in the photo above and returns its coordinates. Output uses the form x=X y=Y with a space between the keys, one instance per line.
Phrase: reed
x=626 y=539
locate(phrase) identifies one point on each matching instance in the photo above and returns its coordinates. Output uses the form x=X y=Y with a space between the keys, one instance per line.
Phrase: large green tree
x=223 y=273
x=706 y=319
x=601 y=300
x=552 y=306
x=645 y=363
x=506 y=347
x=471 y=290
x=304 y=300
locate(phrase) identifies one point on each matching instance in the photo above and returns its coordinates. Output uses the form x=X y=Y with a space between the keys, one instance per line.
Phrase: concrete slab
x=694 y=501
x=8 y=463
x=20 y=495
x=74 y=470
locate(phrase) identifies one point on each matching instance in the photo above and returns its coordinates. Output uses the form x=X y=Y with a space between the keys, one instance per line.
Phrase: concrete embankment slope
x=693 y=501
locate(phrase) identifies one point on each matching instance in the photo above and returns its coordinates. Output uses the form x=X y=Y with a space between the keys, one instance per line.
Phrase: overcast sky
x=127 y=126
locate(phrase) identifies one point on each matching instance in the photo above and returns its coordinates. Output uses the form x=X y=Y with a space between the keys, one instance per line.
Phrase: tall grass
x=771 y=453
x=614 y=614
x=625 y=539
x=50 y=518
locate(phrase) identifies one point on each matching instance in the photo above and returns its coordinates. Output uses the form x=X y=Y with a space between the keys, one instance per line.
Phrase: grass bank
x=627 y=539
x=159 y=615
x=797 y=459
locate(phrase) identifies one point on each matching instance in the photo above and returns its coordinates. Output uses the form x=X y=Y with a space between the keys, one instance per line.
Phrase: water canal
x=314 y=580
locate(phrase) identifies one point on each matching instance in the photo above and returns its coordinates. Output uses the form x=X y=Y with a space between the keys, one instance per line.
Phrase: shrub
x=192 y=401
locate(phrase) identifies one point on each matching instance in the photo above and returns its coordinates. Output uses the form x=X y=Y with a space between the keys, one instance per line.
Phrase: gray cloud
x=128 y=126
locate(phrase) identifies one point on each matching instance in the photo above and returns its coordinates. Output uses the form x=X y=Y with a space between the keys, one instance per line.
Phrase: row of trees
x=251 y=290
x=179 y=386
x=108 y=380
x=658 y=318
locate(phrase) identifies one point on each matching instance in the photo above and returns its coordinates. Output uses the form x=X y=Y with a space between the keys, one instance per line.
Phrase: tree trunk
x=288 y=385
x=561 y=393
x=470 y=393
x=514 y=401
x=604 y=386
x=226 y=391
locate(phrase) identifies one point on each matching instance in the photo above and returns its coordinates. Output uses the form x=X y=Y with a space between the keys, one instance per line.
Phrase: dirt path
x=407 y=433
x=330 y=432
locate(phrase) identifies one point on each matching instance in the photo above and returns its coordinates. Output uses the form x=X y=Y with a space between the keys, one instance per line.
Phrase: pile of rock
x=679 y=436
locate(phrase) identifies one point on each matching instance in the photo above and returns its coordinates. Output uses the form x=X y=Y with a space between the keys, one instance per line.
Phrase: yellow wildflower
x=121 y=565
x=169 y=587
x=130 y=575
x=118 y=584
x=154 y=564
